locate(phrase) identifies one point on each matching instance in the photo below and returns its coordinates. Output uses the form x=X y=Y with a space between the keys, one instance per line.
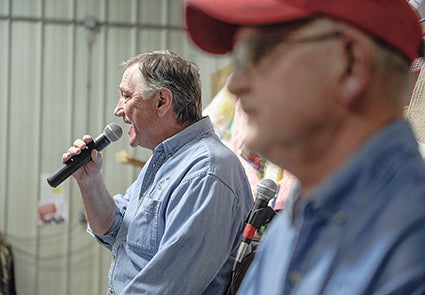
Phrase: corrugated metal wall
x=58 y=81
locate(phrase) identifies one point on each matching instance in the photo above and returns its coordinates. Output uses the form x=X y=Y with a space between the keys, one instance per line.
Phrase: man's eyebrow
x=123 y=89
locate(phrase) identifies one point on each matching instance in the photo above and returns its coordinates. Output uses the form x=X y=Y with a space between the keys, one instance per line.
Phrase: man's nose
x=119 y=110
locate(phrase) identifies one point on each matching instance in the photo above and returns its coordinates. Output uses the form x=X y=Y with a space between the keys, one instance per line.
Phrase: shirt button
x=294 y=277
x=339 y=218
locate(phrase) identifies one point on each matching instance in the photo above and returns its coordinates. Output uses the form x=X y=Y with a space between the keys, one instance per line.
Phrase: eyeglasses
x=250 y=51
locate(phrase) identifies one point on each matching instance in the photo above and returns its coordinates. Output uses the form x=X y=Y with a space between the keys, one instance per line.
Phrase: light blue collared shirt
x=361 y=231
x=178 y=226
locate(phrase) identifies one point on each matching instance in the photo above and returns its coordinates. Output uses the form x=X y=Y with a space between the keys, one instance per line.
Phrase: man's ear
x=357 y=75
x=164 y=101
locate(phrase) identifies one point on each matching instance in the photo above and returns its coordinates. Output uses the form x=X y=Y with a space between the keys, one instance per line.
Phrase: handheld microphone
x=112 y=132
x=260 y=214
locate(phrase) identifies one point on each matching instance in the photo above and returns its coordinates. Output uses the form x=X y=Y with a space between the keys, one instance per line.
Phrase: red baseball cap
x=212 y=24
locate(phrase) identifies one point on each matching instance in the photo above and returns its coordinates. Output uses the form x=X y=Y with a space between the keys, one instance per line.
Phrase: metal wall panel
x=59 y=80
x=28 y=8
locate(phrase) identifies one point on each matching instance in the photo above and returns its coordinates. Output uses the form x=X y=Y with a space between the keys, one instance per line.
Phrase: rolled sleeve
x=108 y=239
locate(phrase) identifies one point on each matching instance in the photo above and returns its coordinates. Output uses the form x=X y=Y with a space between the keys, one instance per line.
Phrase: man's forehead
x=129 y=78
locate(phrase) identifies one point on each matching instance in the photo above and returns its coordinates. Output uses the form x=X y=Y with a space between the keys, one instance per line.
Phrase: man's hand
x=92 y=168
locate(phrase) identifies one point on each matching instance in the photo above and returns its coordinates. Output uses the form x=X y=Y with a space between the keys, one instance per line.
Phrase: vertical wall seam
x=101 y=279
x=166 y=20
x=39 y=134
x=8 y=108
x=70 y=99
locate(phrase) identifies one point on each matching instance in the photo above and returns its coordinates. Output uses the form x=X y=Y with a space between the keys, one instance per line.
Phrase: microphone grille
x=266 y=189
x=113 y=132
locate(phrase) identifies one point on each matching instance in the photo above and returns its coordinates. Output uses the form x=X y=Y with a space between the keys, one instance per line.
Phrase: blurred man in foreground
x=324 y=84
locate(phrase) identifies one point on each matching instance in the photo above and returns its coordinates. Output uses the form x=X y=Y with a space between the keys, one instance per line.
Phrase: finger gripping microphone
x=260 y=214
x=112 y=132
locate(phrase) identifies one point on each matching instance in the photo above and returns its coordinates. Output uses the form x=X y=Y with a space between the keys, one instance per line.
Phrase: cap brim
x=211 y=24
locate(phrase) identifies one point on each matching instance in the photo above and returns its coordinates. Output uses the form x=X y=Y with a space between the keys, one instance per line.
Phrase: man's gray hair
x=166 y=69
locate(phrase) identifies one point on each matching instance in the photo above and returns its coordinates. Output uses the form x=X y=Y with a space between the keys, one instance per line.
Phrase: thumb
x=96 y=156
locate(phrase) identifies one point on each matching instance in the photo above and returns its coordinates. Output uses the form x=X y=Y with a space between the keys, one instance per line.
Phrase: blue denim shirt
x=361 y=231
x=178 y=226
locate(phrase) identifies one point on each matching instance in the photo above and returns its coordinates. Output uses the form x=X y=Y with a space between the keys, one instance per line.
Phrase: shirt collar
x=373 y=160
x=194 y=131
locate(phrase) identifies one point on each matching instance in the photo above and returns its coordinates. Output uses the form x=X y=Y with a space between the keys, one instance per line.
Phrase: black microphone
x=112 y=132
x=260 y=214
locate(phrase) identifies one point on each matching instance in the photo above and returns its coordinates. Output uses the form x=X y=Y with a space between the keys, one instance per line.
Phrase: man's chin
x=133 y=143
x=252 y=143
x=256 y=144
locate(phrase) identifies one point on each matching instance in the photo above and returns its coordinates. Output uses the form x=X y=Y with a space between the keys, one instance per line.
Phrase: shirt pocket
x=143 y=232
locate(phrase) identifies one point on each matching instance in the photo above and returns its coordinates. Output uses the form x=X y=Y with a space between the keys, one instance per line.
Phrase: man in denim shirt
x=177 y=228
x=324 y=84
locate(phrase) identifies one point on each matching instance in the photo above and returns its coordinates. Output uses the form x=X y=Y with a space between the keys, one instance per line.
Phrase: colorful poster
x=52 y=206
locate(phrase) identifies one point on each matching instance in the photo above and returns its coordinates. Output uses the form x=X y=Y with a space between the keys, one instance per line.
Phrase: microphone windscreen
x=113 y=132
x=266 y=189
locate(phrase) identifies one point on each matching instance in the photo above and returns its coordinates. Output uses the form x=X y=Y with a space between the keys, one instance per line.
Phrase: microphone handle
x=243 y=247
x=77 y=161
x=247 y=236
x=70 y=167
